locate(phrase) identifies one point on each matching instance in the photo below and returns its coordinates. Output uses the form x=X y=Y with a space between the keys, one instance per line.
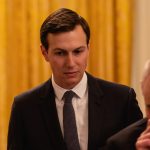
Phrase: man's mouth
x=72 y=73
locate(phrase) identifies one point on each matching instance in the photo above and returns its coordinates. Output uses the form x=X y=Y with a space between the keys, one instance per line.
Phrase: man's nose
x=70 y=60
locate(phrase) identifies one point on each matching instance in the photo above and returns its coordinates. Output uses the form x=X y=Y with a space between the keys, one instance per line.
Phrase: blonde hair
x=146 y=75
x=146 y=71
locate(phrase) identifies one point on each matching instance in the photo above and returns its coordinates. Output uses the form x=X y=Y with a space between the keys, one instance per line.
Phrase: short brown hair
x=62 y=20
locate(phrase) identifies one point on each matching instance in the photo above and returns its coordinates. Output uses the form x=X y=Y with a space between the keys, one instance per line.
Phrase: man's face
x=67 y=54
x=146 y=94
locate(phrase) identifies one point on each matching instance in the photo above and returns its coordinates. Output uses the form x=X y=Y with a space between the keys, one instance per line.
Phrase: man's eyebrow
x=61 y=49
x=79 y=47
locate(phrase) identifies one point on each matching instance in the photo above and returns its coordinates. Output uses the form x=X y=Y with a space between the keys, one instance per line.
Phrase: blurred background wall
x=119 y=44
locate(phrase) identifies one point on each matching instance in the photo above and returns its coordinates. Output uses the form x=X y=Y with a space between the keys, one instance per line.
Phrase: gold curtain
x=110 y=56
x=21 y=62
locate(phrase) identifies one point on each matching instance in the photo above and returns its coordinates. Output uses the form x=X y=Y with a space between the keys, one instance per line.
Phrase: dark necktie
x=69 y=122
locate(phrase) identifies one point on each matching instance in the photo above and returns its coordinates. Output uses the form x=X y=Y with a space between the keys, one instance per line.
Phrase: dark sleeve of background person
x=126 y=138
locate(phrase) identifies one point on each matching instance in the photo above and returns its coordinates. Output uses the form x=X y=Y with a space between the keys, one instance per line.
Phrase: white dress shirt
x=80 y=105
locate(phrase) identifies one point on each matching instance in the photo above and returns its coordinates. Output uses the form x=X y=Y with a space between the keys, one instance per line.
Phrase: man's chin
x=71 y=84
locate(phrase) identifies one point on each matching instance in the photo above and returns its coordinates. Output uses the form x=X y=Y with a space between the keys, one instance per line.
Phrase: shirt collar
x=79 y=89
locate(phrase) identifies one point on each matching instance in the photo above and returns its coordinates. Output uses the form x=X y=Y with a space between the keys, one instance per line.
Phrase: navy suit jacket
x=34 y=123
x=126 y=138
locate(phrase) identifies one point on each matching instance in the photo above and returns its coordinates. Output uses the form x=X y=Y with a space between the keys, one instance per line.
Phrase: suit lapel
x=95 y=111
x=49 y=112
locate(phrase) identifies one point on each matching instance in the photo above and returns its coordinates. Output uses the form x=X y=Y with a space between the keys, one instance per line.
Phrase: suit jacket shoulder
x=116 y=97
x=39 y=91
x=106 y=85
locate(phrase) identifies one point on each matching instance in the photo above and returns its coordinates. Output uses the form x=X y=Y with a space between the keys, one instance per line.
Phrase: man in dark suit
x=137 y=135
x=101 y=108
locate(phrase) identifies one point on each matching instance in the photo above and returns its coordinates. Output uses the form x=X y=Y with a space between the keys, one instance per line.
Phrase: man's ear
x=44 y=52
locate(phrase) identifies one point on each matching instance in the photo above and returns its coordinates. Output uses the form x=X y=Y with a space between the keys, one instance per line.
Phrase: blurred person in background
x=99 y=108
x=137 y=135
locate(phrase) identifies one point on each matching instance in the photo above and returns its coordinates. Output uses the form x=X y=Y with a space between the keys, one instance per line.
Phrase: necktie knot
x=68 y=95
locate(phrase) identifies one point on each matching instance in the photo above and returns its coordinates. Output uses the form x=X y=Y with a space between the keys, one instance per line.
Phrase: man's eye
x=77 y=52
x=59 y=53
